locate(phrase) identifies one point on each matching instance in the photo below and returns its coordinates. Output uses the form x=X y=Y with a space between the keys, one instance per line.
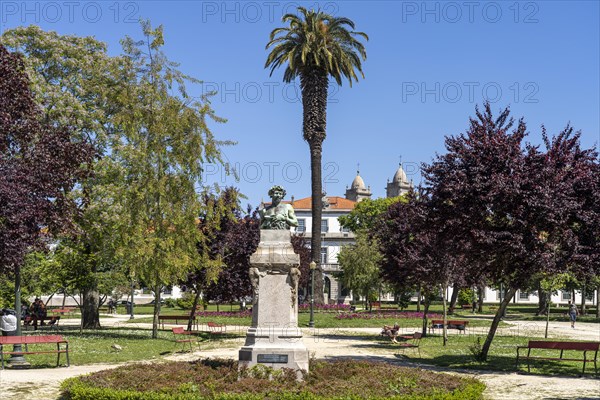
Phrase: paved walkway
x=337 y=343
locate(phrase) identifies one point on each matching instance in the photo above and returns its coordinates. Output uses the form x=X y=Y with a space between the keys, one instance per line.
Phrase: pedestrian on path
x=573 y=312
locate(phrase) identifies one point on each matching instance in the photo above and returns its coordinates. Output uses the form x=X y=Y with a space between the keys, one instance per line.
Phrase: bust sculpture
x=277 y=215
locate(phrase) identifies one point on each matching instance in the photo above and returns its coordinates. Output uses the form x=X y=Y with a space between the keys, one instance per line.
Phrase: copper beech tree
x=506 y=209
x=39 y=164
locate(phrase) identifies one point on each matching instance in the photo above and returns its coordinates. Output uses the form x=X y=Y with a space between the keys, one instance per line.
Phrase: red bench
x=215 y=328
x=412 y=342
x=31 y=321
x=182 y=336
x=562 y=346
x=177 y=318
x=35 y=340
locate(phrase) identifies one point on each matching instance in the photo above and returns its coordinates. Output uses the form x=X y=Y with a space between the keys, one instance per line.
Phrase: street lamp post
x=313 y=266
x=131 y=316
x=17 y=361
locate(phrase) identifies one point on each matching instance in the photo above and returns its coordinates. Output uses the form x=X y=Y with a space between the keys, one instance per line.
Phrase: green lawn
x=459 y=353
x=92 y=347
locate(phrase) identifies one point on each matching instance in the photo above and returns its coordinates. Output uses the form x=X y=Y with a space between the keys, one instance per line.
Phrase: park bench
x=216 y=329
x=461 y=326
x=35 y=340
x=562 y=346
x=162 y=319
x=52 y=321
x=182 y=336
x=412 y=342
x=63 y=311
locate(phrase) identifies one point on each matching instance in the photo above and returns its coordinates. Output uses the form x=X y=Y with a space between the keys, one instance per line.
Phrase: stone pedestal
x=274 y=338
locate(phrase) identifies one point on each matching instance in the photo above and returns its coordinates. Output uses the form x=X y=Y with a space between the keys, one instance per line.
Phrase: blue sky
x=429 y=64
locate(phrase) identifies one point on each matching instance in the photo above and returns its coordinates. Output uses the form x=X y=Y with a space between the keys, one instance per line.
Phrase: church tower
x=399 y=184
x=358 y=191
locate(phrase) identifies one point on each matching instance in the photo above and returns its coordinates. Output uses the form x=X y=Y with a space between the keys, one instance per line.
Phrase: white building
x=333 y=237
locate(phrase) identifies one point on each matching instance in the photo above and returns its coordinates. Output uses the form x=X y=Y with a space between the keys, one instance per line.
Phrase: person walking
x=573 y=312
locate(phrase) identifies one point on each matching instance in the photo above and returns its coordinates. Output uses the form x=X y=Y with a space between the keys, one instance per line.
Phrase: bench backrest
x=541 y=344
x=178 y=330
x=31 y=339
x=450 y=322
x=175 y=317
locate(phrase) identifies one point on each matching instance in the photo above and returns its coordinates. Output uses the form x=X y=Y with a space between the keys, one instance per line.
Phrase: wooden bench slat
x=31 y=340
x=562 y=346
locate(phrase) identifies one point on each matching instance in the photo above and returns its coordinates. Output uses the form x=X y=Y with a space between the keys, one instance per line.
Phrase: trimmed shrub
x=220 y=379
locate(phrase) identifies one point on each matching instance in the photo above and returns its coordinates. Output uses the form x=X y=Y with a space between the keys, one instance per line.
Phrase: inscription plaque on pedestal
x=272 y=358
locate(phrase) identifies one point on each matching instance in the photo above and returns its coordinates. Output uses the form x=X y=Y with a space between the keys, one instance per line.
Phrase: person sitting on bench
x=391 y=332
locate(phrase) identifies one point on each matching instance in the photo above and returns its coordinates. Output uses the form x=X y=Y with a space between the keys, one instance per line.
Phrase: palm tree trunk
x=314 y=83
x=317 y=215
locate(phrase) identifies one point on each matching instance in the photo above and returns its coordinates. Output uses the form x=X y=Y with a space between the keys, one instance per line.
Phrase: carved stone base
x=276 y=348
x=274 y=338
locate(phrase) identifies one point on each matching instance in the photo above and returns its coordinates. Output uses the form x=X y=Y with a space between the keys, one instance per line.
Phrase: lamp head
x=312 y=265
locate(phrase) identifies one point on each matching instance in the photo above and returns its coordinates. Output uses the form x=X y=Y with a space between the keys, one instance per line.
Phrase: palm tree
x=314 y=47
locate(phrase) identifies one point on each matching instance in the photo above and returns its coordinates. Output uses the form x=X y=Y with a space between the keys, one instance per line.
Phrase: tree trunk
x=425 y=311
x=547 y=297
x=317 y=216
x=194 y=307
x=488 y=341
x=453 y=299
x=598 y=301
x=156 y=310
x=90 y=315
x=542 y=302
x=445 y=327
x=314 y=83
x=480 y=291
x=582 y=300
x=64 y=293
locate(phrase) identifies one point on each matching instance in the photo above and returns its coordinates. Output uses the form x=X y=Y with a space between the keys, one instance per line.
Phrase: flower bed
x=387 y=315
x=324 y=307
x=220 y=379
x=228 y=314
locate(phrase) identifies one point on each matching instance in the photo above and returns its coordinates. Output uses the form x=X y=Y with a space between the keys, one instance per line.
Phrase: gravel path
x=333 y=344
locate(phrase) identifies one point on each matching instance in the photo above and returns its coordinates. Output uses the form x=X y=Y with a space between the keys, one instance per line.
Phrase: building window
x=323 y=255
x=566 y=295
x=523 y=295
x=324 y=226
x=301 y=225
x=345 y=230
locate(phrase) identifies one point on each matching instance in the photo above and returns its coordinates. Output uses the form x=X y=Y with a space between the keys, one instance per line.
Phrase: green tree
x=361 y=266
x=164 y=143
x=75 y=82
x=314 y=47
x=367 y=213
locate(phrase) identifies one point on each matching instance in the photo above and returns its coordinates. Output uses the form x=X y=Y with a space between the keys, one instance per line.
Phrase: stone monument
x=274 y=338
